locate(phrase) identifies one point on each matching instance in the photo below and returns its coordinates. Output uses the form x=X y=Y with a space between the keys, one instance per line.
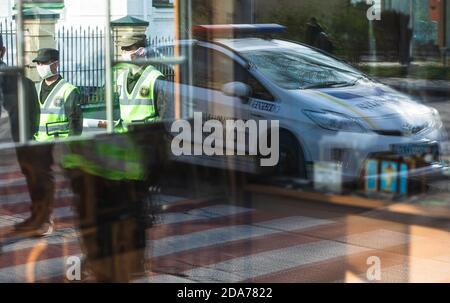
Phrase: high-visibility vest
x=53 y=120
x=115 y=157
x=137 y=106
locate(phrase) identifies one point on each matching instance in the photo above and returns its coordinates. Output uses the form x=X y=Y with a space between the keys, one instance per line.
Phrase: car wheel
x=292 y=160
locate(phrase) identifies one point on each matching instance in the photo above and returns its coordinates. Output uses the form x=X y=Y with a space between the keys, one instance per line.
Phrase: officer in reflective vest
x=140 y=89
x=61 y=113
x=108 y=179
x=60 y=117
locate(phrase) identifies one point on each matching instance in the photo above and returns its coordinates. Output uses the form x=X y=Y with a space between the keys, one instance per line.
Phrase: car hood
x=377 y=106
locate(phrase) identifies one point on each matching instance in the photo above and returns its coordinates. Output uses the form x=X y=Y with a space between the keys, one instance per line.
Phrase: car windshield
x=302 y=68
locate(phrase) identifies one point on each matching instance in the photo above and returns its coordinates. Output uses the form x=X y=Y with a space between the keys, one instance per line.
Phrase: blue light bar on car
x=218 y=30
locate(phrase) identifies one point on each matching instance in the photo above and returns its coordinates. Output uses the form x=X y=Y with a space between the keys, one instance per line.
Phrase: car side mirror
x=237 y=89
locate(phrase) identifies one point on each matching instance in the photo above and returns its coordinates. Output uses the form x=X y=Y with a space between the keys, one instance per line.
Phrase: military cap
x=129 y=40
x=47 y=55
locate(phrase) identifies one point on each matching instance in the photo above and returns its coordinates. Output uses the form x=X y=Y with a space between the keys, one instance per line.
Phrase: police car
x=328 y=110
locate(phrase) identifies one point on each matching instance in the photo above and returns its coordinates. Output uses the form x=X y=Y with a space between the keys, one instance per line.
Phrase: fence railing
x=82 y=52
x=82 y=58
x=8 y=33
x=164 y=49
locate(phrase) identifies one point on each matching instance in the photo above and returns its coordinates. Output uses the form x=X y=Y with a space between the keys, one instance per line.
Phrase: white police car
x=328 y=110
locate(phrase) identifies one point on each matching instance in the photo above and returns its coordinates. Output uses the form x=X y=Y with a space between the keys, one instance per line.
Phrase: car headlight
x=436 y=119
x=335 y=121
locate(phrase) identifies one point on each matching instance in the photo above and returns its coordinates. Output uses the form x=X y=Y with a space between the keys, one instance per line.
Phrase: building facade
x=91 y=13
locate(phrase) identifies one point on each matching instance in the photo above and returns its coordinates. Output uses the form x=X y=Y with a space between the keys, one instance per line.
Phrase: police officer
x=29 y=157
x=143 y=93
x=108 y=179
x=60 y=101
x=8 y=89
x=60 y=117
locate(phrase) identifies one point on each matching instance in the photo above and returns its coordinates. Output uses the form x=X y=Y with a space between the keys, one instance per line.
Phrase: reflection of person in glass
x=8 y=87
x=8 y=83
x=317 y=37
x=2 y=52
x=141 y=89
x=107 y=176
x=60 y=117
x=313 y=31
x=31 y=158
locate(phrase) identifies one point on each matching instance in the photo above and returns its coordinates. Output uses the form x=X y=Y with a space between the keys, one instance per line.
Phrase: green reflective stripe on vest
x=50 y=111
x=136 y=102
x=138 y=106
x=53 y=120
x=78 y=162
x=116 y=160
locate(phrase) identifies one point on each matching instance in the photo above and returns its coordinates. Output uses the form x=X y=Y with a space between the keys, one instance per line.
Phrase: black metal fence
x=82 y=59
x=164 y=48
x=82 y=52
x=8 y=33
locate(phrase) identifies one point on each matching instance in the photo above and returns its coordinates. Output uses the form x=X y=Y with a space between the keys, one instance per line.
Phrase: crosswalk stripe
x=25 y=196
x=20 y=180
x=9 y=168
x=59 y=237
x=248 y=267
x=175 y=244
x=391 y=239
x=69 y=235
x=164 y=279
x=11 y=175
x=13 y=182
x=20 y=189
x=206 y=213
x=188 y=232
x=48 y=268
x=7 y=220
x=58 y=213
x=162 y=199
x=202 y=214
x=274 y=261
x=237 y=269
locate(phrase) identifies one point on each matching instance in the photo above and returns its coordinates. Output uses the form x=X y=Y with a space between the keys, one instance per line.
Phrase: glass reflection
x=360 y=93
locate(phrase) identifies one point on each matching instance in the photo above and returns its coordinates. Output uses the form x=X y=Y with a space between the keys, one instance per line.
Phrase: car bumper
x=352 y=150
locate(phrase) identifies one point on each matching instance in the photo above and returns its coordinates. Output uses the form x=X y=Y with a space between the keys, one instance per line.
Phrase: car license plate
x=416 y=149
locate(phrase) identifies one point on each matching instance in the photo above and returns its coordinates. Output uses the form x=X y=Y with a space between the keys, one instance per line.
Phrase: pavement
x=5 y=129
x=259 y=238
x=262 y=237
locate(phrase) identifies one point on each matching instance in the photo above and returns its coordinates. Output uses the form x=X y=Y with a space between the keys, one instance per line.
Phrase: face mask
x=130 y=56
x=126 y=56
x=45 y=71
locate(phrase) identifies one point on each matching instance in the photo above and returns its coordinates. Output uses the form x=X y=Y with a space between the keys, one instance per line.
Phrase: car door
x=211 y=71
